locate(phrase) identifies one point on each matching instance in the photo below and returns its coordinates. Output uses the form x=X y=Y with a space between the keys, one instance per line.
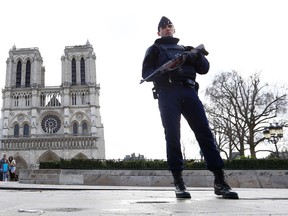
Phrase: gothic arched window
x=28 y=74
x=82 y=71
x=18 y=74
x=84 y=128
x=74 y=98
x=16 y=130
x=73 y=71
x=75 y=129
x=16 y=101
x=27 y=100
x=26 y=130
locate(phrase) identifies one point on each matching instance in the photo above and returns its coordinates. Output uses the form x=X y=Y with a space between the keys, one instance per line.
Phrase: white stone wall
x=155 y=178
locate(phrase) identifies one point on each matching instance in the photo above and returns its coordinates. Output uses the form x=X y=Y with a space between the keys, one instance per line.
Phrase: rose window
x=51 y=124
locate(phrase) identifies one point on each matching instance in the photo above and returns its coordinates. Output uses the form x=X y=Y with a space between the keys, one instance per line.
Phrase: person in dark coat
x=176 y=91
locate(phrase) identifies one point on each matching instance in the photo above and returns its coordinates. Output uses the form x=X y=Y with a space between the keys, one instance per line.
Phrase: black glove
x=192 y=56
x=188 y=48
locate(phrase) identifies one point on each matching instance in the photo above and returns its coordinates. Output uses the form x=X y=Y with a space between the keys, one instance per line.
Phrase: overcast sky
x=248 y=36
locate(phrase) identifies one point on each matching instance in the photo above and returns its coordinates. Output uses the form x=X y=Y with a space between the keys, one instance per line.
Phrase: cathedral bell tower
x=24 y=68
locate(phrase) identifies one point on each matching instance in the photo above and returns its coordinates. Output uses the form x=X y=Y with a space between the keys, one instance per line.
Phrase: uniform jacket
x=165 y=49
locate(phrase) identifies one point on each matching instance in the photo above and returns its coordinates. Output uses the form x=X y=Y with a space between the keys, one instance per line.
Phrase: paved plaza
x=61 y=200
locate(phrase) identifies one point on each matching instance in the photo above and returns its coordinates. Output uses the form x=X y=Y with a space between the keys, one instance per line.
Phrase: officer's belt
x=187 y=83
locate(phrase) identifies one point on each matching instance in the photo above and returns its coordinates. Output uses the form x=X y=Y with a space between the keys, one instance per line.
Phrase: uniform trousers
x=177 y=100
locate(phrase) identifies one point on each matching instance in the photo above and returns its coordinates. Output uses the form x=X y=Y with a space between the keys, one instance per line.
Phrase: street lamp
x=274 y=133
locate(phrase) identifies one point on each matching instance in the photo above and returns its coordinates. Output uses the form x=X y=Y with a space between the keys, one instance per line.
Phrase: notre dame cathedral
x=41 y=123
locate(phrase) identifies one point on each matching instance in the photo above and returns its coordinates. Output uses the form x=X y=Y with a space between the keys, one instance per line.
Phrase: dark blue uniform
x=177 y=94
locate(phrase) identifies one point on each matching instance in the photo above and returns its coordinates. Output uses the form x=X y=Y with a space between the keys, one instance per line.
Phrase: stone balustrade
x=72 y=142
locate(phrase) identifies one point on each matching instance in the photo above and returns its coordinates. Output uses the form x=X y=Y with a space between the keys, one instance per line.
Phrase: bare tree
x=239 y=109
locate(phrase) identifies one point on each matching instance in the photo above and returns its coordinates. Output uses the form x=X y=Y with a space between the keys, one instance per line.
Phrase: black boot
x=180 y=188
x=221 y=187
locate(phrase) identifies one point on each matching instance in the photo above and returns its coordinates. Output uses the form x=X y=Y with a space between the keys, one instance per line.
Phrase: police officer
x=176 y=91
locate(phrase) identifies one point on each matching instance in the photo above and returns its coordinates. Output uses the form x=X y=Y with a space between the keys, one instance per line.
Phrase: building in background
x=41 y=123
x=133 y=156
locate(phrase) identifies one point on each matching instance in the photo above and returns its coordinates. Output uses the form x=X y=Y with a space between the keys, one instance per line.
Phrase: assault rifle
x=176 y=62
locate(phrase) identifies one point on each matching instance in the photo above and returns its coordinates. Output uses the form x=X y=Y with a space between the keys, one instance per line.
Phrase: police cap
x=163 y=22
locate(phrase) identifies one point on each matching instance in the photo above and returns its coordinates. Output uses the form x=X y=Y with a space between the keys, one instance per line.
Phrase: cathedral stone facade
x=41 y=123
